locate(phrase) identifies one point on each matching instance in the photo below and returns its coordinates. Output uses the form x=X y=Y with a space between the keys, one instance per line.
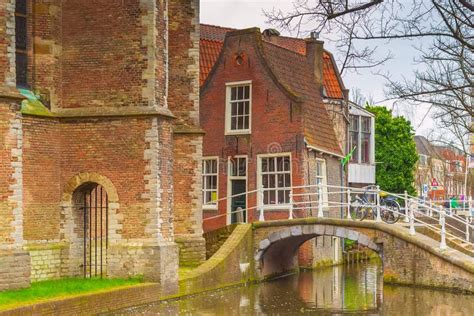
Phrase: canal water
x=355 y=289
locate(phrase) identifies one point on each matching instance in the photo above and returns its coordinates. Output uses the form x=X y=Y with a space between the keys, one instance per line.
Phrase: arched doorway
x=91 y=204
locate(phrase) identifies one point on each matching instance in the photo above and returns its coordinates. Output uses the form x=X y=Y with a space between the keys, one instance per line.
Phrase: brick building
x=274 y=111
x=454 y=176
x=430 y=169
x=86 y=175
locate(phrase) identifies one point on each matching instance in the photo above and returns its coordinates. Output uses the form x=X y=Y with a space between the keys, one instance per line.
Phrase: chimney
x=270 y=35
x=314 y=54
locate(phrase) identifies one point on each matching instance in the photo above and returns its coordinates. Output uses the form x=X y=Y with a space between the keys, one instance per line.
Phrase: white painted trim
x=208 y=207
x=229 y=85
x=259 y=179
x=229 y=187
x=322 y=150
x=238 y=83
x=325 y=181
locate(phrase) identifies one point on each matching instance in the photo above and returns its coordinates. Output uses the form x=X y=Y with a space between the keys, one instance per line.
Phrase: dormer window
x=21 y=46
x=238 y=108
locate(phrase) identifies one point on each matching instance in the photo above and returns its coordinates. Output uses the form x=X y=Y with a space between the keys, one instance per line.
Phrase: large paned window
x=21 y=38
x=360 y=130
x=275 y=178
x=365 y=140
x=209 y=182
x=238 y=108
x=354 y=137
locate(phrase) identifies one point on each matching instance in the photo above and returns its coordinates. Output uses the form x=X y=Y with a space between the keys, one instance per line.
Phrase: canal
x=351 y=289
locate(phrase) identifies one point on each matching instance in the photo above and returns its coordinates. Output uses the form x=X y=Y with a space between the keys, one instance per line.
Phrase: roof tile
x=212 y=35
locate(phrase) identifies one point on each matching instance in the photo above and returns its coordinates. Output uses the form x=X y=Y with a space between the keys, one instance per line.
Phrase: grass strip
x=50 y=289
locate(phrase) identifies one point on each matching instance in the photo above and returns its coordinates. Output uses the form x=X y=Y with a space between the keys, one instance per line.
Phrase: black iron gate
x=96 y=223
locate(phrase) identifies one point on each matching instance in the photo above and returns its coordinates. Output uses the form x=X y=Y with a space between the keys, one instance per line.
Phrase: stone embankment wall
x=216 y=238
x=232 y=264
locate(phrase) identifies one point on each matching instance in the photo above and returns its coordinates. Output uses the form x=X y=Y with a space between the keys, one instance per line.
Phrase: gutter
x=321 y=150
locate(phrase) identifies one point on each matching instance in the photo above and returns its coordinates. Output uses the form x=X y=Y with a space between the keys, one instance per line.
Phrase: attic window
x=238 y=107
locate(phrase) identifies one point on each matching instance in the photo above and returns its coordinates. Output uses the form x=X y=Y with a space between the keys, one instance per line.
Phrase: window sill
x=276 y=207
x=209 y=208
x=242 y=132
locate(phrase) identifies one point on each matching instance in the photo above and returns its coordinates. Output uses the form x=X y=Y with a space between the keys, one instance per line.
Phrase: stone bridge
x=264 y=249
x=406 y=259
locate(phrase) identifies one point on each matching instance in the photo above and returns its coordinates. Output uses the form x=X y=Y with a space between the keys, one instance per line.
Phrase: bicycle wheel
x=359 y=212
x=389 y=211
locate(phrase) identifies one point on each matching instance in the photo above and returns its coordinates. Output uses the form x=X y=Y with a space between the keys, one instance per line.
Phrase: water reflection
x=355 y=289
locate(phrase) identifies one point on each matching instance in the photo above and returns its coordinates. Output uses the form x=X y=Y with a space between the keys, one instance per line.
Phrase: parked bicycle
x=364 y=208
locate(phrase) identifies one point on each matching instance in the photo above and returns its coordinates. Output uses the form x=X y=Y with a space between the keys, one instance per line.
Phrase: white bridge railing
x=451 y=225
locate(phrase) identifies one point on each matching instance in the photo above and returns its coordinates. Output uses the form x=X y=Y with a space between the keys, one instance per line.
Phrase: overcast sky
x=249 y=13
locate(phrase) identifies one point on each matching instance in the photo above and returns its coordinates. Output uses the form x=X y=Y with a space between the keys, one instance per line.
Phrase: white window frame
x=324 y=178
x=259 y=180
x=210 y=207
x=357 y=159
x=228 y=112
x=230 y=177
x=361 y=138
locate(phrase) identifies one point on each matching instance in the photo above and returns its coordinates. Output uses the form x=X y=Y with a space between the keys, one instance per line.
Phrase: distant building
x=362 y=141
x=429 y=177
x=454 y=170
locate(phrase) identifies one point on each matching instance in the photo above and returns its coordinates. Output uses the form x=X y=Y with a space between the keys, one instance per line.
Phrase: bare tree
x=444 y=29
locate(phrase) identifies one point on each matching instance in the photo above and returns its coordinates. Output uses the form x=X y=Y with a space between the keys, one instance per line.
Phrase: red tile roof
x=292 y=71
x=212 y=38
x=209 y=51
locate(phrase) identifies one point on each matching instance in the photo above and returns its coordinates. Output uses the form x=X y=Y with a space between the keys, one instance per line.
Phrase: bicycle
x=389 y=208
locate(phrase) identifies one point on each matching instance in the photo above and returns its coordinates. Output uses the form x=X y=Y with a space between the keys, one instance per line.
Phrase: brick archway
x=71 y=225
x=89 y=177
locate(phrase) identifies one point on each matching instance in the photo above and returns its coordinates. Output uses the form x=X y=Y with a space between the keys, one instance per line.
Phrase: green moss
x=34 y=108
x=49 y=246
x=390 y=278
x=183 y=272
x=60 y=289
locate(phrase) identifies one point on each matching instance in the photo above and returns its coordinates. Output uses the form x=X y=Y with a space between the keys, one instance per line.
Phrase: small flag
x=346 y=159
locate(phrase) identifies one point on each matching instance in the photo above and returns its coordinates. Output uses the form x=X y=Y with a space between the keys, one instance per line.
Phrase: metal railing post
x=442 y=222
x=469 y=214
x=450 y=207
x=467 y=229
x=320 y=201
x=430 y=211
x=412 y=222
x=291 y=206
x=379 y=218
x=260 y=202
x=407 y=208
x=349 y=204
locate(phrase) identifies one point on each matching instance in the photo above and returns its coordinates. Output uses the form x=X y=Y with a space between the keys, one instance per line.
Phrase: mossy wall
x=232 y=264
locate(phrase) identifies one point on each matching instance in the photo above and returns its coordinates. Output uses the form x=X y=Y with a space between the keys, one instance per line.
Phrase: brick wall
x=102 y=59
x=14 y=261
x=41 y=177
x=276 y=122
x=183 y=101
x=7 y=40
x=44 y=66
x=46 y=260
x=88 y=146
x=103 y=66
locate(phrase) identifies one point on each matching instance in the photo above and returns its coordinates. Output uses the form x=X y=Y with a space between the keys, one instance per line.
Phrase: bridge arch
x=276 y=252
